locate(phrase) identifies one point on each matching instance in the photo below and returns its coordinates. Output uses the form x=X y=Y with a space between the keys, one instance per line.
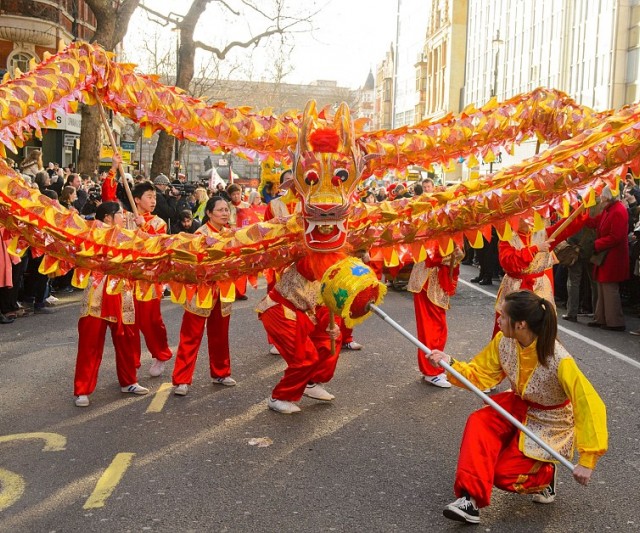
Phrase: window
x=19 y=60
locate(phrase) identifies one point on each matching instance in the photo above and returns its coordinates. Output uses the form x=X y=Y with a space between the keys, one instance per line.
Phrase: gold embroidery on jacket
x=553 y=426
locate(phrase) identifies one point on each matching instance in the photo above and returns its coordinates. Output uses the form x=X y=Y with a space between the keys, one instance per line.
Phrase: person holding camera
x=166 y=199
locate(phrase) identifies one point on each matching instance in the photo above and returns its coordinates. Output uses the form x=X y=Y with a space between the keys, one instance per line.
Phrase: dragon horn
x=342 y=123
x=307 y=125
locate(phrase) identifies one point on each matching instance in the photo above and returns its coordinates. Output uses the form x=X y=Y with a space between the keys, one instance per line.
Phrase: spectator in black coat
x=165 y=199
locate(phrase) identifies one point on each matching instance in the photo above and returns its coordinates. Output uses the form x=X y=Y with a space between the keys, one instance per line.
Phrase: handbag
x=567 y=253
x=598 y=257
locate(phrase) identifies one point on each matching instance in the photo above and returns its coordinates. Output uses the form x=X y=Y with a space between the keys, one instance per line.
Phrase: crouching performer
x=549 y=395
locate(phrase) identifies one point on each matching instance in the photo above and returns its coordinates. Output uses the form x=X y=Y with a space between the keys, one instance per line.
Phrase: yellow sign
x=106 y=152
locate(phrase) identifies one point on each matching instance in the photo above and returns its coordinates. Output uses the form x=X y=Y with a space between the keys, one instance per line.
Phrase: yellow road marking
x=160 y=398
x=54 y=442
x=109 y=480
x=12 y=488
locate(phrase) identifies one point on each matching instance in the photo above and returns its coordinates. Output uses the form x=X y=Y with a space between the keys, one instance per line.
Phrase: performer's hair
x=210 y=206
x=283 y=175
x=141 y=188
x=107 y=209
x=540 y=316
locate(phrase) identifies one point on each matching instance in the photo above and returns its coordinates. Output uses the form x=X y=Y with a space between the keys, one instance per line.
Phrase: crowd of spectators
x=181 y=205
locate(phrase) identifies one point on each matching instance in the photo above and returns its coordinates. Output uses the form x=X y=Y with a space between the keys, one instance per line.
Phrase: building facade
x=383 y=106
x=588 y=49
x=440 y=66
x=28 y=29
x=411 y=26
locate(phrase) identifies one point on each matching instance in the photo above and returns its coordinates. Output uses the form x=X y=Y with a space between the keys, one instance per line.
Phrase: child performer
x=549 y=395
x=148 y=314
x=101 y=310
x=216 y=319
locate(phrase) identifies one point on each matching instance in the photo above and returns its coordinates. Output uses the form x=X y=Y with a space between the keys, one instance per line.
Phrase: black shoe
x=594 y=324
x=468 y=263
x=242 y=297
x=475 y=280
x=570 y=318
x=462 y=510
x=5 y=319
x=485 y=282
x=613 y=328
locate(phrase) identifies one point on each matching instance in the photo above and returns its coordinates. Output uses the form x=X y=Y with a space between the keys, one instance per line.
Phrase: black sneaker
x=548 y=495
x=462 y=510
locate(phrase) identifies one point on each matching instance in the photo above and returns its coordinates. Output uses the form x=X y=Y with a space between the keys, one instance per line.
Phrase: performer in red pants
x=527 y=261
x=300 y=331
x=148 y=313
x=549 y=395
x=432 y=282
x=216 y=318
x=99 y=311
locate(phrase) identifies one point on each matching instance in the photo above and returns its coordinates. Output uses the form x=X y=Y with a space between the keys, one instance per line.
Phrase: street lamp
x=176 y=19
x=496 y=44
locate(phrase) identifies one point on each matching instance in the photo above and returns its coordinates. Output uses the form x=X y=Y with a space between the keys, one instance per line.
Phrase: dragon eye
x=311 y=177
x=340 y=176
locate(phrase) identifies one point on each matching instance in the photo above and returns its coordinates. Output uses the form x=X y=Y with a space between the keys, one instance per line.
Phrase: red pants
x=304 y=346
x=191 y=333
x=431 y=324
x=149 y=320
x=91 y=336
x=489 y=454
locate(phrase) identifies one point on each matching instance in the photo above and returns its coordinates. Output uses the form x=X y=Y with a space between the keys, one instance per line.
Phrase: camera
x=184 y=188
x=95 y=194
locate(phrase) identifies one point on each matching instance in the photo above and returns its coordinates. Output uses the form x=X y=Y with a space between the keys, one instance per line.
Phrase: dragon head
x=327 y=166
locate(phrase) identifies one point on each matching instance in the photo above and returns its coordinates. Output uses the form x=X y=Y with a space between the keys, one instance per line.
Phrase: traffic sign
x=128 y=146
x=70 y=139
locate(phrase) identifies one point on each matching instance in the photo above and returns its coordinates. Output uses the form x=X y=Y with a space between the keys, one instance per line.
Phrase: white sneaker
x=227 y=382
x=548 y=495
x=135 y=389
x=274 y=351
x=353 y=345
x=82 y=401
x=317 y=392
x=438 y=381
x=51 y=300
x=282 y=406
x=157 y=368
x=181 y=390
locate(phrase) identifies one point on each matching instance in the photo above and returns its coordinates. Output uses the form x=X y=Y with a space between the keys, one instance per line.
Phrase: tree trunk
x=112 y=22
x=162 y=157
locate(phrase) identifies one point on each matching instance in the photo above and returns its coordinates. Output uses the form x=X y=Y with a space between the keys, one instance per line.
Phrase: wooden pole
x=332 y=325
x=568 y=221
x=112 y=140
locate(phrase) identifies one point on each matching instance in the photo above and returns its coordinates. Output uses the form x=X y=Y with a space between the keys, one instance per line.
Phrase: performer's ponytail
x=540 y=316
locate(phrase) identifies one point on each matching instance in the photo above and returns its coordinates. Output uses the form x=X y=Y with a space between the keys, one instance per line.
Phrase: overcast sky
x=351 y=37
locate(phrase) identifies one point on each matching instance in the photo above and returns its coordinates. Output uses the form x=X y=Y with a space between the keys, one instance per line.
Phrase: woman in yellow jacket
x=548 y=394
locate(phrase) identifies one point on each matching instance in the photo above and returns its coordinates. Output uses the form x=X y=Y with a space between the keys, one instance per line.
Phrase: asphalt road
x=380 y=458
